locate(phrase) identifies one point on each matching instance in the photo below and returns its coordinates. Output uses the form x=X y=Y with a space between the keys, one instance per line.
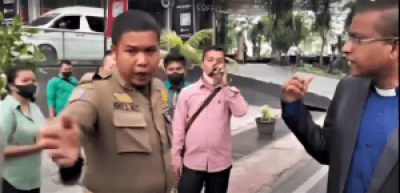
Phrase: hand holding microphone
x=219 y=75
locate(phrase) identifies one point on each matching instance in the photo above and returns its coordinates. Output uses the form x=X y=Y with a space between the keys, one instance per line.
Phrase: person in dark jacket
x=359 y=139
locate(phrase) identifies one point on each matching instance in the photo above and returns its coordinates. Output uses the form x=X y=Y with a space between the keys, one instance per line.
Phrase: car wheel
x=50 y=53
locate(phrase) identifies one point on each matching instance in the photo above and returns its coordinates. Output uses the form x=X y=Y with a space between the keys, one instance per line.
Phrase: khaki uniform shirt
x=125 y=135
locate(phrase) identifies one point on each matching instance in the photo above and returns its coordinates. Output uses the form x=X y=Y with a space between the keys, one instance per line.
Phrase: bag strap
x=191 y=120
x=204 y=105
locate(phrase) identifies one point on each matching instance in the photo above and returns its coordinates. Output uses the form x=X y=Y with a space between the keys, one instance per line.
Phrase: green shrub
x=267 y=113
x=13 y=51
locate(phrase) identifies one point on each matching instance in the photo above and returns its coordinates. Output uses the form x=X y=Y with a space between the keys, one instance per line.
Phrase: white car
x=73 y=33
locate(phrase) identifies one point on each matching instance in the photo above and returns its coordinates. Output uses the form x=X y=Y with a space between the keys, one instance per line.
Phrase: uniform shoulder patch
x=164 y=96
x=86 y=85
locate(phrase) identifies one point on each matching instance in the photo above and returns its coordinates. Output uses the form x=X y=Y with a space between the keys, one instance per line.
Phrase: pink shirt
x=208 y=141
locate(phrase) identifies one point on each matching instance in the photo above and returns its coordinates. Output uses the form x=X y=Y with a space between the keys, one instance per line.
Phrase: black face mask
x=176 y=78
x=66 y=75
x=26 y=91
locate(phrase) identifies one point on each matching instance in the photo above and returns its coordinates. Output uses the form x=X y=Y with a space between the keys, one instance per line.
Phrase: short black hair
x=133 y=21
x=67 y=62
x=108 y=53
x=211 y=48
x=12 y=75
x=389 y=19
x=174 y=57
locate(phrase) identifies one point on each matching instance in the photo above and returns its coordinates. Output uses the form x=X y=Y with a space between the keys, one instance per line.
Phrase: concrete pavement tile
x=266 y=166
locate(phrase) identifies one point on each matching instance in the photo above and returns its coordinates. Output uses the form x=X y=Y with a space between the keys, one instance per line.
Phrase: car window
x=96 y=24
x=68 y=22
x=44 y=19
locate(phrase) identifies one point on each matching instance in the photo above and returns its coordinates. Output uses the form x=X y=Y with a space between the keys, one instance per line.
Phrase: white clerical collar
x=386 y=92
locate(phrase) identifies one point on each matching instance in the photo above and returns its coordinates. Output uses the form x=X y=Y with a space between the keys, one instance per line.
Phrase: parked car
x=73 y=33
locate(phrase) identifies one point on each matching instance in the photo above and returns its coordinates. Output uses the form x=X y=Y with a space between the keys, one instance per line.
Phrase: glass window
x=44 y=19
x=68 y=22
x=96 y=24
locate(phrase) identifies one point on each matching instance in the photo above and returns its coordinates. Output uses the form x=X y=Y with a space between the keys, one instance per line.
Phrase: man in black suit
x=359 y=139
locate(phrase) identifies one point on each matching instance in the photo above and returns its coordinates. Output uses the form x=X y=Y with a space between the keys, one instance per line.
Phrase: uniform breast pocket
x=131 y=132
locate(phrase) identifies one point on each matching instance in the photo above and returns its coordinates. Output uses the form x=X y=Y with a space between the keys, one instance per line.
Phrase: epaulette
x=90 y=77
x=86 y=78
x=101 y=75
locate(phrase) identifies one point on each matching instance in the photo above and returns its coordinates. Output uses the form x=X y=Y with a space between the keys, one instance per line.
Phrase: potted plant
x=266 y=123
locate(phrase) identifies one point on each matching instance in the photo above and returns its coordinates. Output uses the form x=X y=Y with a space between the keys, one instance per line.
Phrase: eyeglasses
x=359 y=41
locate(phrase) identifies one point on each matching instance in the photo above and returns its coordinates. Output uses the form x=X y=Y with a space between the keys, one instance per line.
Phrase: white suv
x=73 y=33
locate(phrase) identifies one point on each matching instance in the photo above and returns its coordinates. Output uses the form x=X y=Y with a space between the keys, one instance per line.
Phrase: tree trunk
x=330 y=66
x=273 y=53
x=321 y=59
x=254 y=49
x=259 y=47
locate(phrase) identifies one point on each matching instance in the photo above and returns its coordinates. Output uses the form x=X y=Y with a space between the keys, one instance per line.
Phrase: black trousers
x=8 y=188
x=192 y=181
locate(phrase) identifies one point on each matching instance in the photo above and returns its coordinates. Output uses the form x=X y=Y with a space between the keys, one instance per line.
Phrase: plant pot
x=265 y=127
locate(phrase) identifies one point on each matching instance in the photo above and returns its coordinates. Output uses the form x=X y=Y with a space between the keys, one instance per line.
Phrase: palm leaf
x=199 y=37
x=194 y=55
x=1 y=17
x=170 y=40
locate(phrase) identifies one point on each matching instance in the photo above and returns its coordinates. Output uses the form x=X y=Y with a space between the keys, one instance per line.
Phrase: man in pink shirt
x=208 y=148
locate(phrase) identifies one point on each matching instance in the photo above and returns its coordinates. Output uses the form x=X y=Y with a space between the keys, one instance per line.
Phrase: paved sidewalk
x=266 y=166
x=277 y=161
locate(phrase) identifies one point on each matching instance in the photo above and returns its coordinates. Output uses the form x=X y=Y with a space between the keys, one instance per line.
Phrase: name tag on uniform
x=126 y=106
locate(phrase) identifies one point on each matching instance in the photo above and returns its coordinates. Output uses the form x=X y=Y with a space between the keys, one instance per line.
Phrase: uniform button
x=368 y=145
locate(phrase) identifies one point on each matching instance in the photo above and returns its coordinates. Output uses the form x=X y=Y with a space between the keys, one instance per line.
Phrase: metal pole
x=105 y=25
x=63 y=37
x=169 y=16
x=194 y=16
x=214 y=26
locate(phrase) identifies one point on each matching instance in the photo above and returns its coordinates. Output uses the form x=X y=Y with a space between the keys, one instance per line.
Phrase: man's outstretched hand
x=65 y=136
x=295 y=88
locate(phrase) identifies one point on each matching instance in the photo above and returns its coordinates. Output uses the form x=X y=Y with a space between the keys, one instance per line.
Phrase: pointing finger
x=308 y=80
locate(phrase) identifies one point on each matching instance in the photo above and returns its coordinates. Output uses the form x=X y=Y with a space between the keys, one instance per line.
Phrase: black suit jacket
x=333 y=144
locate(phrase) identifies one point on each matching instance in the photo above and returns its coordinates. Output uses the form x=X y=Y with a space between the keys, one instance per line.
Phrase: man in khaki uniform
x=122 y=125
